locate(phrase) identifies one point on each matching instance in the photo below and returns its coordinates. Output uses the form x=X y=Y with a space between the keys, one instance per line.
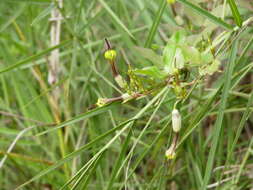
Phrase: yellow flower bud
x=171 y=1
x=110 y=55
x=101 y=102
x=176 y=121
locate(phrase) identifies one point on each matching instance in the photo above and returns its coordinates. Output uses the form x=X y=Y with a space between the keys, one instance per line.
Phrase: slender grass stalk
x=218 y=123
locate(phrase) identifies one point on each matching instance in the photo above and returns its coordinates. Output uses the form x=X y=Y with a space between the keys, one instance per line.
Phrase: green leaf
x=151 y=71
x=206 y=57
x=209 y=69
x=178 y=37
x=206 y=14
x=191 y=54
x=172 y=55
x=179 y=59
x=235 y=12
x=150 y=55
x=168 y=57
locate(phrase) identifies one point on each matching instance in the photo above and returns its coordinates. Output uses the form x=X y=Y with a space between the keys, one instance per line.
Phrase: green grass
x=49 y=136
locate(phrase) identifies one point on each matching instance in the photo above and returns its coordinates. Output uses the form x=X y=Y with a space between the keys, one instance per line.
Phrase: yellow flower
x=170 y=153
x=101 y=102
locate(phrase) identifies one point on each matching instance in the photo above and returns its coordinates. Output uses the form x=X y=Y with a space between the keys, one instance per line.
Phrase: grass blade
x=12 y=18
x=245 y=117
x=85 y=181
x=206 y=14
x=116 y=18
x=34 y=57
x=119 y=160
x=80 y=117
x=125 y=124
x=73 y=154
x=147 y=150
x=245 y=158
x=155 y=24
x=237 y=77
x=218 y=123
x=235 y=12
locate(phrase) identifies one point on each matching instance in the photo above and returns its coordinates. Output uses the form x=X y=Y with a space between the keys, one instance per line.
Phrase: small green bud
x=180 y=91
x=177 y=90
x=176 y=71
x=110 y=55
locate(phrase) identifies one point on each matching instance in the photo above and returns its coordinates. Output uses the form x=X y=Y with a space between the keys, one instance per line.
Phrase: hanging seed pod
x=176 y=121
